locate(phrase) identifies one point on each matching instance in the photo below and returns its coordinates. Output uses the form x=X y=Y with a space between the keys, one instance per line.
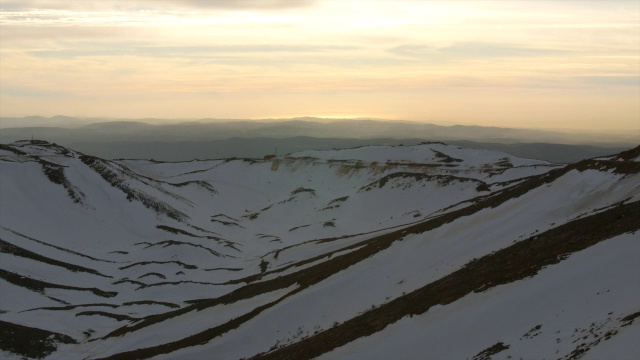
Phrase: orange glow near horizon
x=525 y=64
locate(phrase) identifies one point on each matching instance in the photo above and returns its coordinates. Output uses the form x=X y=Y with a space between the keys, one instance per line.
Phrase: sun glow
x=340 y=116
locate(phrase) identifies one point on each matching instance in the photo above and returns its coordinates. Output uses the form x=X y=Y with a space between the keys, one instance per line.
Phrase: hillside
x=422 y=251
x=173 y=140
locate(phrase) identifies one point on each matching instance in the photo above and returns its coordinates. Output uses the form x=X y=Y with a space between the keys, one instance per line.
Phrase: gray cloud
x=21 y=5
x=467 y=50
x=19 y=33
x=481 y=49
x=185 y=51
x=31 y=92
x=623 y=80
x=235 y=4
x=267 y=48
x=415 y=51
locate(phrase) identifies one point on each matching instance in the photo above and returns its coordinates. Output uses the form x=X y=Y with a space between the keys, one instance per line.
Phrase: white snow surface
x=115 y=242
x=604 y=289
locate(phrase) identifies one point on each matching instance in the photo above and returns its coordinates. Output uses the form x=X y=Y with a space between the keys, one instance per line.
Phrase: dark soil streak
x=55 y=174
x=151 y=302
x=202 y=184
x=117 y=317
x=103 y=168
x=186 y=266
x=12 y=149
x=71 y=307
x=8 y=248
x=440 y=179
x=56 y=247
x=39 y=286
x=167 y=243
x=199 y=338
x=487 y=353
x=30 y=342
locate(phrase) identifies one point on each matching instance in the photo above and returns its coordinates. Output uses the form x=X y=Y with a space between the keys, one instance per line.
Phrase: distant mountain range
x=206 y=139
x=375 y=252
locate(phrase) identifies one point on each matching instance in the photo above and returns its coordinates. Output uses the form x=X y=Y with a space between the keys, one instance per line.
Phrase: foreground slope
x=329 y=252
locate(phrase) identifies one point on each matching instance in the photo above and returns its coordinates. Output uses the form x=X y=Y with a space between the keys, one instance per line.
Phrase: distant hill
x=109 y=131
x=206 y=139
x=259 y=147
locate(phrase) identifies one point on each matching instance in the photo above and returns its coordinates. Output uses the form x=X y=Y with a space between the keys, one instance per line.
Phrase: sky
x=565 y=64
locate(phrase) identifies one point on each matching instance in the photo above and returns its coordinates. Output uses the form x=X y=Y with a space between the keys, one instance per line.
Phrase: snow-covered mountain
x=428 y=251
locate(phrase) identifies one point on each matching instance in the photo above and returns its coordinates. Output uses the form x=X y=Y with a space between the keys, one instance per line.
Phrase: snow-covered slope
x=376 y=252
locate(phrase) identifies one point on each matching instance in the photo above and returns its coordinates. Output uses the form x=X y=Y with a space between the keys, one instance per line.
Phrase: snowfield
x=427 y=251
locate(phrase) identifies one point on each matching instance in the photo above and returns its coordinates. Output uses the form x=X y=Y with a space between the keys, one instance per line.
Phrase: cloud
x=36 y=34
x=185 y=51
x=481 y=49
x=235 y=4
x=631 y=80
x=470 y=50
x=415 y=51
x=22 y=5
x=31 y=92
x=264 y=48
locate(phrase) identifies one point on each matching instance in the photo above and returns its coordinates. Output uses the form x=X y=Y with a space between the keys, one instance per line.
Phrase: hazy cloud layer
x=13 y=5
x=236 y=4
x=470 y=50
x=486 y=61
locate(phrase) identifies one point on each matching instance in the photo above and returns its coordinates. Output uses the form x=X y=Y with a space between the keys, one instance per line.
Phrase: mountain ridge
x=97 y=130
x=265 y=238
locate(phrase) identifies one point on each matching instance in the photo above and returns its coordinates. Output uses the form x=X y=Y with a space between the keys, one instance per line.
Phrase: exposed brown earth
x=40 y=286
x=30 y=342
